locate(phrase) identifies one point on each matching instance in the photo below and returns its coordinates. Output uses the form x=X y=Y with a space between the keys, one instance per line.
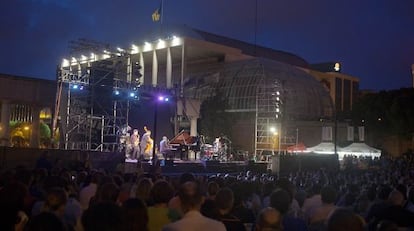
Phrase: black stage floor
x=207 y=167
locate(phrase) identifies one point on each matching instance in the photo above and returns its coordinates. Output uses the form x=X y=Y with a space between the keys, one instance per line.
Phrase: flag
x=156 y=16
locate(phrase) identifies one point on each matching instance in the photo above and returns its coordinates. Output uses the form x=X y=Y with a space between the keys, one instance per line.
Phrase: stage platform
x=203 y=167
x=115 y=161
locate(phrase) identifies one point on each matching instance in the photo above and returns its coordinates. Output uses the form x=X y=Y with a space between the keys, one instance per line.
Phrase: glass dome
x=299 y=95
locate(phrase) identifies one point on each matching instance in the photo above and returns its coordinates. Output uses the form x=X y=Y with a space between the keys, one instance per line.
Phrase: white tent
x=324 y=148
x=360 y=149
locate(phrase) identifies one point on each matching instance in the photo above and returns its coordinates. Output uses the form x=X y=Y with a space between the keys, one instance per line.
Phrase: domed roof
x=302 y=97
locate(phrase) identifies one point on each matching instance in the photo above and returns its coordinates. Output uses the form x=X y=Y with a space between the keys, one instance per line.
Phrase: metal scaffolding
x=269 y=94
x=93 y=100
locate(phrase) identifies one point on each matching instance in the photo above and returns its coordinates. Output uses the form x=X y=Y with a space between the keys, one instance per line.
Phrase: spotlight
x=75 y=86
x=163 y=98
x=132 y=94
x=116 y=92
x=81 y=87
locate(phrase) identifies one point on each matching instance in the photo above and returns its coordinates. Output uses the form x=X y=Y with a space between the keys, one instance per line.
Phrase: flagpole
x=255 y=28
x=162 y=14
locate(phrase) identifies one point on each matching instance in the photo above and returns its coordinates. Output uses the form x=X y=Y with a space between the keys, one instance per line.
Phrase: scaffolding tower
x=93 y=99
x=269 y=94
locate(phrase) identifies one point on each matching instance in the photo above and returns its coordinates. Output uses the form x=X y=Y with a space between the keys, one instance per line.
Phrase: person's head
x=103 y=216
x=107 y=192
x=164 y=138
x=396 y=198
x=269 y=219
x=212 y=188
x=280 y=200
x=187 y=176
x=162 y=192
x=56 y=200
x=144 y=189
x=224 y=199
x=135 y=131
x=136 y=214
x=328 y=195
x=344 y=220
x=383 y=192
x=190 y=196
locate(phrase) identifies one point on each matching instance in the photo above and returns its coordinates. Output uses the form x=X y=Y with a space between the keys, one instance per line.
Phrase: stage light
x=132 y=94
x=75 y=86
x=163 y=98
x=65 y=63
x=81 y=87
x=116 y=92
x=135 y=49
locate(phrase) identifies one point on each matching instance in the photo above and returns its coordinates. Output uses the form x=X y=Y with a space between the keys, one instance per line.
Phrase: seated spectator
x=107 y=192
x=104 y=216
x=136 y=214
x=344 y=220
x=191 y=200
x=240 y=209
x=159 y=214
x=224 y=203
x=12 y=206
x=89 y=191
x=55 y=202
x=144 y=189
x=320 y=214
x=280 y=200
x=313 y=201
x=268 y=219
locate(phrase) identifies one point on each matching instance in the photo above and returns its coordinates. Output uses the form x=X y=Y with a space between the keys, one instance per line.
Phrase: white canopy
x=360 y=149
x=324 y=148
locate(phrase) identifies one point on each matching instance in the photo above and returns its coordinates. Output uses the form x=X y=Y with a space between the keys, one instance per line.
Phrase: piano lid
x=183 y=138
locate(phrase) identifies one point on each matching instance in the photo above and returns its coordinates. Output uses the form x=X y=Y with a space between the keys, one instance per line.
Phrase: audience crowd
x=52 y=197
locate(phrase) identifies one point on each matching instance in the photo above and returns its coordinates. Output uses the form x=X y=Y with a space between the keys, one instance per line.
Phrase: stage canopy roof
x=324 y=148
x=360 y=149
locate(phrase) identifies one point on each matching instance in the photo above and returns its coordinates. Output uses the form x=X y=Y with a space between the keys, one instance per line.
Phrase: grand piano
x=182 y=143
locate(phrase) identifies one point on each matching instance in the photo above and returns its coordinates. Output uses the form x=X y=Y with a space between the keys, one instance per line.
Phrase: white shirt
x=86 y=194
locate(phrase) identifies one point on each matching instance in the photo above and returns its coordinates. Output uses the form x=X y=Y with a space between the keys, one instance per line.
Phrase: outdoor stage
x=115 y=161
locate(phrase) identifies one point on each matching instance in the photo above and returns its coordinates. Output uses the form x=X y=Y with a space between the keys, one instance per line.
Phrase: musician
x=165 y=147
x=135 y=144
x=146 y=143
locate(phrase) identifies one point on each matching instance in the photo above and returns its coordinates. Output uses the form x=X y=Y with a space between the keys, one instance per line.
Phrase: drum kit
x=210 y=152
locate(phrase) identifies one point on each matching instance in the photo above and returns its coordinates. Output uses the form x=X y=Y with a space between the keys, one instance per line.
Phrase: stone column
x=35 y=134
x=154 y=68
x=193 y=126
x=141 y=62
x=5 y=123
x=169 y=69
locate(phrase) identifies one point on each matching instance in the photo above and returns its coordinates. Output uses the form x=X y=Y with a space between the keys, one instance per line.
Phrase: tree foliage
x=386 y=113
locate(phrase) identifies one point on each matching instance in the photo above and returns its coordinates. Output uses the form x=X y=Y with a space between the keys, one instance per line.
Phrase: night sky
x=373 y=39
